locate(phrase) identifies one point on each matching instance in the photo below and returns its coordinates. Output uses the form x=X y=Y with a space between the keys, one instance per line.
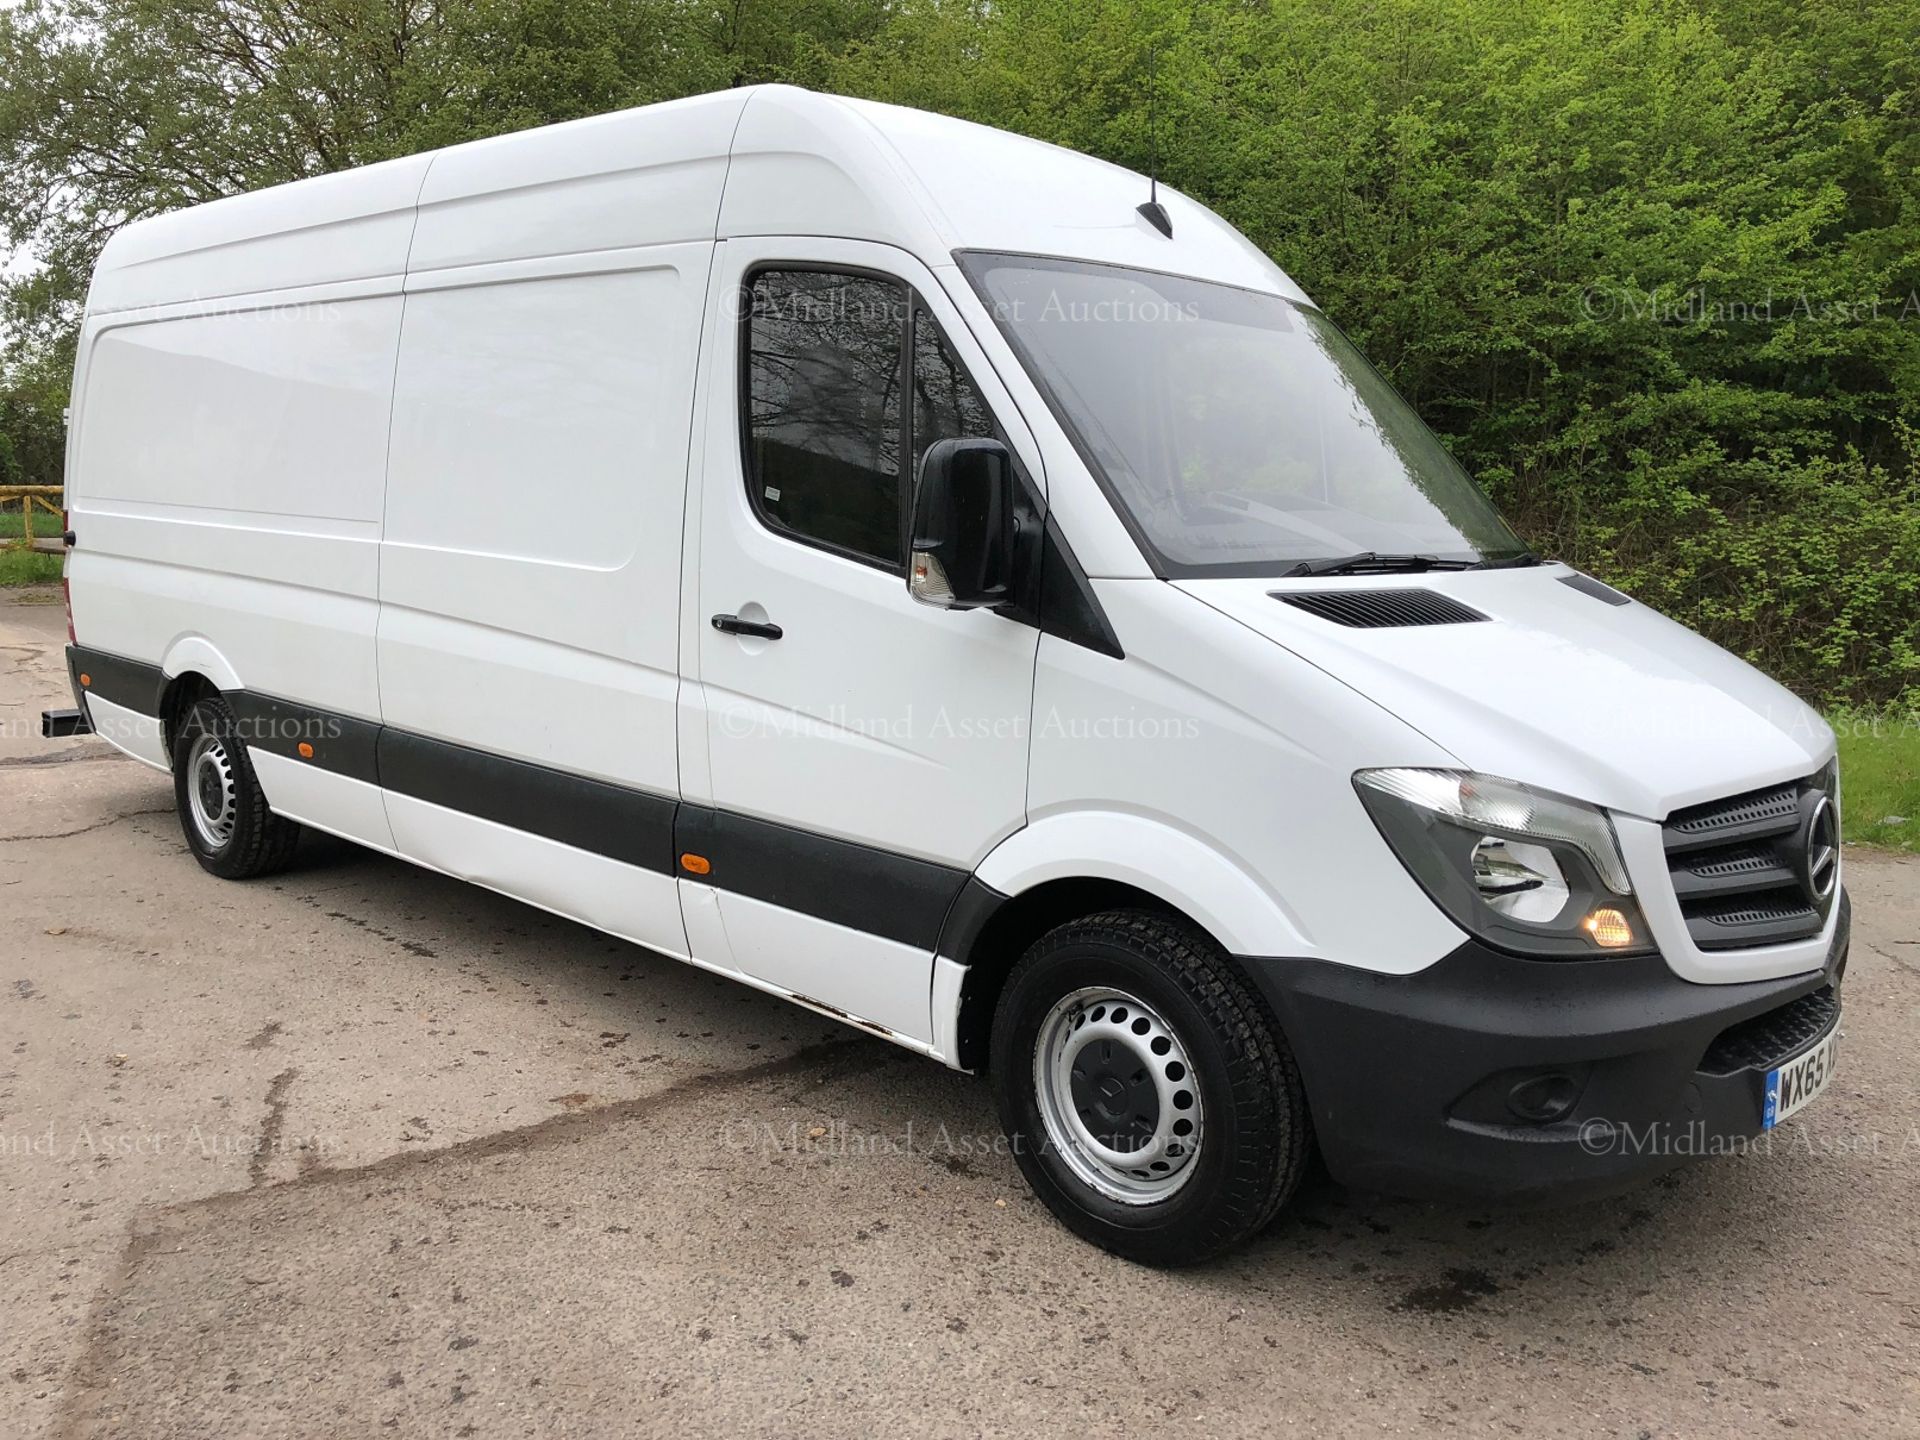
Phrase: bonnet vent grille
x=1598 y=589
x=1380 y=609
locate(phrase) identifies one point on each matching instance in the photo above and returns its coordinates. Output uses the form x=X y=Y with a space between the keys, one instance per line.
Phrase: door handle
x=734 y=625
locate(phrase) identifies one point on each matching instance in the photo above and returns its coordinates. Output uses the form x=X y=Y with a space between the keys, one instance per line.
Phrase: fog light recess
x=1542 y=1099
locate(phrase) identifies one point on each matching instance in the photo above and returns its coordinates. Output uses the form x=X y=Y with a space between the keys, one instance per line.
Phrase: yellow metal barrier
x=46 y=497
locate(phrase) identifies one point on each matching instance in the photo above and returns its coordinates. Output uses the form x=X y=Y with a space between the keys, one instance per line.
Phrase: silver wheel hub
x=210 y=791
x=1117 y=1095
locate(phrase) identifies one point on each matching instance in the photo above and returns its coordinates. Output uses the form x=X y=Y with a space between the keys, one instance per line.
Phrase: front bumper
x=1619 y=1068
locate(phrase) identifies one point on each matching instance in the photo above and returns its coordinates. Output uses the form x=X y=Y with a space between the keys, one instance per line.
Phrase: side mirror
x=961 y=556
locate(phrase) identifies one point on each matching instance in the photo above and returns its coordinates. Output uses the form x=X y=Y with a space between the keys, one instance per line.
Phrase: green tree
x=1653 y=266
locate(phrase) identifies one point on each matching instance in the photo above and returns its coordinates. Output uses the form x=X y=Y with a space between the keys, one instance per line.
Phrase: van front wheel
x=1151 y=1100
x=223 y=811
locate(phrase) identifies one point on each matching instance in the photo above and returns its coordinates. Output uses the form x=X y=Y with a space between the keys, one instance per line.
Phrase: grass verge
x=1880 y=779
x=27 y=567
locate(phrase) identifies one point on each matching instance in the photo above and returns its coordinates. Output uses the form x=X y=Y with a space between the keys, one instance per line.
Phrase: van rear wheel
x=1150 y=1097
x=223 y=811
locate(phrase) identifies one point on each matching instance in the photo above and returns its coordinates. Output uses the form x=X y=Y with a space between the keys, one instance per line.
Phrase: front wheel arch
x=989 y=932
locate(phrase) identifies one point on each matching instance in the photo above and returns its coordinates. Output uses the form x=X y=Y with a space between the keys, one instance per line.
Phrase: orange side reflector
x=695 y=864
x=306 y=751
x=86 y=679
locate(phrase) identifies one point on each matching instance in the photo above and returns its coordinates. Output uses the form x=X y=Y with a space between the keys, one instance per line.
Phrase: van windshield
x=1237 y=433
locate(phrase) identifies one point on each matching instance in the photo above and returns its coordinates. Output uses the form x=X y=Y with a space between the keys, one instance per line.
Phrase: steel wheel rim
x=1117 y=1095
x=211 y=798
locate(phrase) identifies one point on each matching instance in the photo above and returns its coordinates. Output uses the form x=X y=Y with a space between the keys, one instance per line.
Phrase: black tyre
x=1151 y=1100
x=223 y=811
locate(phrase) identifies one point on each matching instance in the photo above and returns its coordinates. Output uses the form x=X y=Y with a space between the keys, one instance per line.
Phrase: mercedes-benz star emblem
x=1823 y=850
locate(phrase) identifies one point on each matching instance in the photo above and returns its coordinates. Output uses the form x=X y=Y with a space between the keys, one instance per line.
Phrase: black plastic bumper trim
x=1398 y=1068
x=131 y=684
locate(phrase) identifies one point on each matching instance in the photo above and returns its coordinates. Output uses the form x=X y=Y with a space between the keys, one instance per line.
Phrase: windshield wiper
x=1507 y=562
x=1374 y=562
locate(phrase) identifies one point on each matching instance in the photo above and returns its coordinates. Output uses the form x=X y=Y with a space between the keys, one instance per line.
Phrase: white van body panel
x=197 y=655
x=337 y=804
x=835 y=967
x=1240 y=765
x=624 y=900
x=230 y=503
x=809 y=164
x=129 y=731
x=1155 y=855
x=534 y=506
x=240 y=355
x=538 y=470
x=611 y=182
x=351 y=226
x=1612 y=704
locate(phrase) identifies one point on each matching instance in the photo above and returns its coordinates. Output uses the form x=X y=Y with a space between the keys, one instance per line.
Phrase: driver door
x=863 y=752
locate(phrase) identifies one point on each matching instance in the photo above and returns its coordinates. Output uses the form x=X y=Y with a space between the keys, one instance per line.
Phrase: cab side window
x=945 y=404
x=828 y=357
x=823 y=379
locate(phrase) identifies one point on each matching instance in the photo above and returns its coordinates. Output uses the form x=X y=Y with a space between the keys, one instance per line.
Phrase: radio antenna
x=1153 y=212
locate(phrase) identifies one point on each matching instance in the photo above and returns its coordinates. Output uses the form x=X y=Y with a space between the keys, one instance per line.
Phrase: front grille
x=1743 y=812
x=1740 y=860
x=1740 y=866
x=1764 y=1041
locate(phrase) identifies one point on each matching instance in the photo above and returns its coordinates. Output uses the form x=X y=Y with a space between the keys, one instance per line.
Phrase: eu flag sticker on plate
x=1795 y=1083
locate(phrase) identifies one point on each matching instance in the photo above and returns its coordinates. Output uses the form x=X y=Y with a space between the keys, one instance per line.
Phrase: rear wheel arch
x=180 y=694
x=194 y=667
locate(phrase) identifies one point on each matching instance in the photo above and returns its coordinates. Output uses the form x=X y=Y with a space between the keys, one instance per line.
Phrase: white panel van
x=909 y=569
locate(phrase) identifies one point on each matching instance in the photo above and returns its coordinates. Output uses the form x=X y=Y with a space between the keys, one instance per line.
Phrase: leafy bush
x=1653 y=266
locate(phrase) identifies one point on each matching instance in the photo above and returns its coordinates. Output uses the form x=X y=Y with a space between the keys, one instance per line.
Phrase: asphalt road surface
x=361 y=1150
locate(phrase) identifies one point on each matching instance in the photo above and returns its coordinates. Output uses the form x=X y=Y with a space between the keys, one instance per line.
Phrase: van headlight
x=1521 y=868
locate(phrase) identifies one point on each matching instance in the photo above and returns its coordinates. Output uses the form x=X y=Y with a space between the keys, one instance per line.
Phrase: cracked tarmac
x=362 y=1150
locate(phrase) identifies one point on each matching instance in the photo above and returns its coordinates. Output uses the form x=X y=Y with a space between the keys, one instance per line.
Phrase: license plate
x=1794 y=1084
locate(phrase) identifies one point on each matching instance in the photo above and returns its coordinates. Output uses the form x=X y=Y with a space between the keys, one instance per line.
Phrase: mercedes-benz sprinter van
x=930 y=577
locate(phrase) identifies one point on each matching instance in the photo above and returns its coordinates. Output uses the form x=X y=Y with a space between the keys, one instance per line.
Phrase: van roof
x=764 y=160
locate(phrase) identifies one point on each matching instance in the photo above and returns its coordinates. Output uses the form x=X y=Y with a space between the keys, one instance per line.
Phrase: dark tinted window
x=823 y=407
x=945 y=404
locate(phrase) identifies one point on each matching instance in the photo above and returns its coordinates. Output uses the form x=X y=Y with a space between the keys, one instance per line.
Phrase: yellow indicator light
x=306 y=751
x=695 y=864
x=86 y=680
x=1609 y=929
